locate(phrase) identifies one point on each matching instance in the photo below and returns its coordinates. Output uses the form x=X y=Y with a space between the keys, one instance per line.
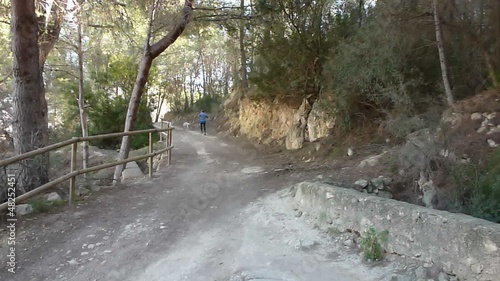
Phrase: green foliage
x=107 y=115
x=107 y=95
x=296 y=38
x=337 y=152
x=207 y=103
x=44 y=206
x=479 y=188
x=373 y=70
x=371 y=244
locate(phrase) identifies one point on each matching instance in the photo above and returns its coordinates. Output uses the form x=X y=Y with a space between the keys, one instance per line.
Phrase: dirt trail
x=218 y=213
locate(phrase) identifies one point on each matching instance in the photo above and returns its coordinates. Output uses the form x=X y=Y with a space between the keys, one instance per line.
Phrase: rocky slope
x=275 y=122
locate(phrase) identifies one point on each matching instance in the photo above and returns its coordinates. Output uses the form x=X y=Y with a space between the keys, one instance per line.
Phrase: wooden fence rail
x=71 y=176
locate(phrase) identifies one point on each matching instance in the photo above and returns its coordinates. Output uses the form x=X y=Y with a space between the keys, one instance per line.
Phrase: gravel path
x=218 y=213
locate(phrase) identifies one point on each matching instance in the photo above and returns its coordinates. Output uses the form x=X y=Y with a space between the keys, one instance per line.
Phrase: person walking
x=203 y=122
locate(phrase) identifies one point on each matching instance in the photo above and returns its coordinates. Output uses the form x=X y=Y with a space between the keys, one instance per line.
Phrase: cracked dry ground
x=220 y=212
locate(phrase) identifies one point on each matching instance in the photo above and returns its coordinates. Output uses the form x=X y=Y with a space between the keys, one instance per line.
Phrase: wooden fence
x=71 y=176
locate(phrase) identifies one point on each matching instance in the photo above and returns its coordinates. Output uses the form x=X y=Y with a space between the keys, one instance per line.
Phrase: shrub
x=207 y=103
x=44 y=206
x=371 y=244
x=478 y=191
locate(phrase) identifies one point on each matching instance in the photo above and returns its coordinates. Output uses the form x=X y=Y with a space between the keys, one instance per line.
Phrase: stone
x=477 y=268
x=348 y=242
x=484 y=127
x=319 y=123
x=53 y=196
x=429 y=191
x=362 y=183
x=370 y=188
x=492 y=143
x=298 y=213
x=493 y=130
x=476 y=116
x=491 y=116
x=296 y=133
x=73 y=262
x=95 y=188
x=371 y=161
x=350 y=152
x=308 y=244
x=91 y=246
x=329 y=195
x=421 y=272
x=444 y=153
x=443 y=276
x=482 y=130
x=385 y=194
x=84 y=253
x=378 y=183
x=23 y=209
x=386 y=180
x=82 y=191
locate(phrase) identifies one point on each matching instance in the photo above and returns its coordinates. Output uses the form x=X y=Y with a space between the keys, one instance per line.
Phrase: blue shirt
x=203 y=117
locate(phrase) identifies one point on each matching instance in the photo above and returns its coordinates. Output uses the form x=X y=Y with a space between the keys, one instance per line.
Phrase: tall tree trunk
x=497 y=45
x=361 y=12
x=184 y=89
x=203 y=73
x=442 y=57
x=191 y=87
x=161 y=100
x=30 y=120
x=150 y=53
x=81 y=96
x=244 y=82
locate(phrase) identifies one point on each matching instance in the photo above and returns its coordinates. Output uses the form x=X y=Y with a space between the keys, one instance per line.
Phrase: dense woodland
x=393 y=62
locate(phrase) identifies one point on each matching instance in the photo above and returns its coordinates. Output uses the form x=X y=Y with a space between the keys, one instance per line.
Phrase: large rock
x=268 y=122
x=428 y=190
x=371 y=161
x=296 y=135
x=462 y=245
x=23 y=209
x=295 y=138
x=53 y=196
x=319 y=124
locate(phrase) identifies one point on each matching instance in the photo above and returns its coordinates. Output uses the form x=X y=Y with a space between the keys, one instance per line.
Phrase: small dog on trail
x=185 y=126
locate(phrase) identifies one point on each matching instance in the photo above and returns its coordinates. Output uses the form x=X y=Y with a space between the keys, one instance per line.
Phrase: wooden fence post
x=169 y=143
x=72 y=180
x=161 y=127
x=151 y=157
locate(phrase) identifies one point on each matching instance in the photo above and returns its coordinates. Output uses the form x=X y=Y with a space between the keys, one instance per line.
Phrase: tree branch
x=223 y=17
x=160 y=46
x=100 y=26
x=219 y=8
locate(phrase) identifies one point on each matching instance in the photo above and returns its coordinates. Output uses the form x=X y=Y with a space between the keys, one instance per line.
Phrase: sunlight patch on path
x=252 y=170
